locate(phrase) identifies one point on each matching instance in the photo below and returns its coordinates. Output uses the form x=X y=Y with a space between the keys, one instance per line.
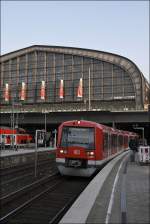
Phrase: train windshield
x=78 y=136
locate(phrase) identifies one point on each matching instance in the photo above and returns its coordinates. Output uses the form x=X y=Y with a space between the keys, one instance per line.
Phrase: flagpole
x=89 y=89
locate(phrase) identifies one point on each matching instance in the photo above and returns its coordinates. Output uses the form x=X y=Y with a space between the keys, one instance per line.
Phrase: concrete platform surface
x=10 y=152
x=122 y=197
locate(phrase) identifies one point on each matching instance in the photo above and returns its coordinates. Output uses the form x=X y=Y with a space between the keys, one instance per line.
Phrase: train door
x=106 y=145
x=13 y=139
x=117 y=145
x=126 y=142
x=2 y=141
x=99 y=144
x=8 y=140
x=109 y=144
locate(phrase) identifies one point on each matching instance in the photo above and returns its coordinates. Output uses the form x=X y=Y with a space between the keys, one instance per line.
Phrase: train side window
x=106 y=142
x=125 y=140
x=120 y=140
x=109 y=143
x=114 y=141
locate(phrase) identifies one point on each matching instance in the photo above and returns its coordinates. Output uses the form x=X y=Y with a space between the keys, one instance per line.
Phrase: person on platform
x=133 y=144
x=3 y=143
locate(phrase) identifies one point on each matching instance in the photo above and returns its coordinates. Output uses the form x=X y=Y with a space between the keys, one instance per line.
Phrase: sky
x=120 y=27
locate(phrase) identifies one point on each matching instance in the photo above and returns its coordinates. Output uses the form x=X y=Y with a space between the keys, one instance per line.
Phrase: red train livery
x=83 y=146
x=19 y=134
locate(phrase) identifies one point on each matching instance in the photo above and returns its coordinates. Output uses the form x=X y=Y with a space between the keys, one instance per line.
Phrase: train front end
x=75 y=154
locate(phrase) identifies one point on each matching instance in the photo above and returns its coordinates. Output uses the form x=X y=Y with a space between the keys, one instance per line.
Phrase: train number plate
x=75 y=163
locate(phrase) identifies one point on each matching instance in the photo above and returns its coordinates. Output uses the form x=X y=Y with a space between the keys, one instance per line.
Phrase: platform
x=10 y=152
x=114 y=196
x=10 y=158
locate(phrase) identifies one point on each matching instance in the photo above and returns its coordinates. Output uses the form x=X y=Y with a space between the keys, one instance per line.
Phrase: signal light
x=78 y=122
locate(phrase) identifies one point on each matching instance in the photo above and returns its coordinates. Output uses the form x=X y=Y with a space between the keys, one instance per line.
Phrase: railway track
x=7 y=173
x=18 y=198
x=25 y=176
x=42 y=202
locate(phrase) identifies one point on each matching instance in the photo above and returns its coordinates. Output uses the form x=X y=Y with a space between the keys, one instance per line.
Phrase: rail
x=6 y=202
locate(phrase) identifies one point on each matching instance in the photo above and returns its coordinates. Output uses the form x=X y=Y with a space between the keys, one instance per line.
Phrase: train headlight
x=90 y=153
x=63 y=151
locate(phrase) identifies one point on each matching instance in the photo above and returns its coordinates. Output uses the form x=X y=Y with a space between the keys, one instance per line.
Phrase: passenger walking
x=16 y=147
x=133 y=144
x=3 y=143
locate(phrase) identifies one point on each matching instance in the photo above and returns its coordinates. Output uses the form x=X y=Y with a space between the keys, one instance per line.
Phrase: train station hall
x=56 y=84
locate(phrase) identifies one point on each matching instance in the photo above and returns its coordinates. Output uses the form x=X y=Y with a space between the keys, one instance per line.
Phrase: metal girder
x=97 y=116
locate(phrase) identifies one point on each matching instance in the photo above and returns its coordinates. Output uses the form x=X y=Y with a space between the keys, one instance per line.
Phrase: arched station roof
x=123 y=62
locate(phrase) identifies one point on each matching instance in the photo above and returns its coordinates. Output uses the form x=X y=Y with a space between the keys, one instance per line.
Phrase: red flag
x=6 y=94
x=42 y=90
x=80 y=89
x=23 y=91
x=61 y=89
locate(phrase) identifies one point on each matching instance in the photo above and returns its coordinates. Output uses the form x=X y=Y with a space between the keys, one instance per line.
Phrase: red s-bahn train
x=19 y=135
x=83 y=146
